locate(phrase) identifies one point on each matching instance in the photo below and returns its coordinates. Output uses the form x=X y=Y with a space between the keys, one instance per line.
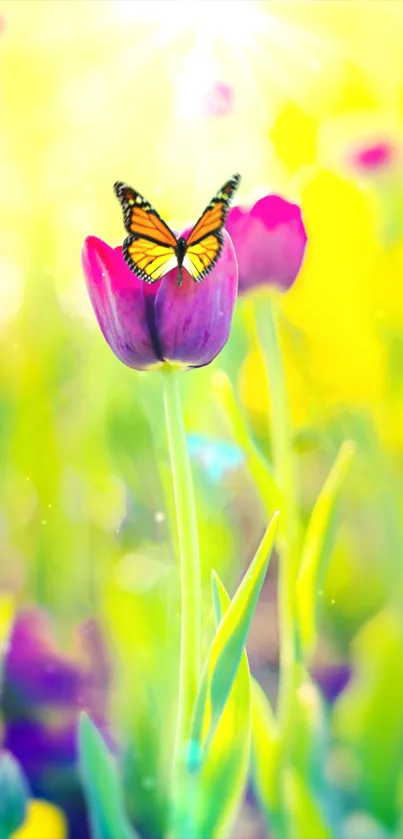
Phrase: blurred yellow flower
x=44 y=821
x=355 y=90
x=333 y=300
x=7 y=608
x=295 y=137
x=255 y=392
x=339 y=314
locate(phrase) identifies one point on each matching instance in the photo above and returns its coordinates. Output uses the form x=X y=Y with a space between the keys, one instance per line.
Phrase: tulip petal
x=269 y=240
x=122 y=303
x=194 y=321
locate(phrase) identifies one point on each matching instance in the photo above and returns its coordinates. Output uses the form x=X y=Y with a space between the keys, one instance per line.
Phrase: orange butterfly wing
x=200 y=257
x=150 y=248
x=205 y=241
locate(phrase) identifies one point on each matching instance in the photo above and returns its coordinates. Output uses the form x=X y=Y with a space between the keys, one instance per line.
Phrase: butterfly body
x=180 y=252
x=151 y=249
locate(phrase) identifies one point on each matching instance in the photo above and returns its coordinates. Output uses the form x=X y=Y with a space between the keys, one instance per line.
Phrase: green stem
x=284 y=472
x=190 y=643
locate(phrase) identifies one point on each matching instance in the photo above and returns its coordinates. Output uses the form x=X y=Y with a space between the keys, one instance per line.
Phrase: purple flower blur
x=38 y=673
x=35 y=669
x=43 y=693
x=147 y=325
x=374 y=157
x=269 y=240
x=332 y=680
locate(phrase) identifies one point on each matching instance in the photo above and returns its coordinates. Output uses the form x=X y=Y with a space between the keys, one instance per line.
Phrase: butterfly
x=151 y=248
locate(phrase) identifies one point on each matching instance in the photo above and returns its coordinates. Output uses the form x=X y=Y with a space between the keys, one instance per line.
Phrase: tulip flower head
x=148 y=326
x=164 y=299
x=269 y=240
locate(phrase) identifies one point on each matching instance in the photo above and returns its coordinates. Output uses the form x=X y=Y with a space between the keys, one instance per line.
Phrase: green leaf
x=225 y=767
x=305 y=818
x=227 y=647
x=219 y=746
x=311 y=745
x=258 y=467
x=311 y=749
x=102 y=785
x=14 y=795
x=368 y=720
x=145 y=647
x=305 y=789
x=265 y=743
x=317 y=548
x=211 y=796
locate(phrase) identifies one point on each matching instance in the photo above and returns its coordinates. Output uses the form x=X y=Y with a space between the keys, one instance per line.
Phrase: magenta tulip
x=147 y=325
x=269 y=240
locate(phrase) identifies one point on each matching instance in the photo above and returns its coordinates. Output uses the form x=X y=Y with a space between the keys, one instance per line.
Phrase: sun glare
x=233 y=21
x=254 y=40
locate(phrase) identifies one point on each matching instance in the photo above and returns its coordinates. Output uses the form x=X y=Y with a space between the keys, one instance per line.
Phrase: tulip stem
x=189 y=561
x=284 y=472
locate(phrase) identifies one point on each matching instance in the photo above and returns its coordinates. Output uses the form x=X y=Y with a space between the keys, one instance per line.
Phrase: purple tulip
x=269 y=240
x=148 y=324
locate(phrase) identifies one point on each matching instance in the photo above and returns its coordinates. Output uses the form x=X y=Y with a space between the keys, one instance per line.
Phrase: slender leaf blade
x=265 y=744
x=317 y=547
x=225 y=767
x=304 y=814
x=213 y=788
x=228 y=644
x=14 y=795
x=101 y=784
